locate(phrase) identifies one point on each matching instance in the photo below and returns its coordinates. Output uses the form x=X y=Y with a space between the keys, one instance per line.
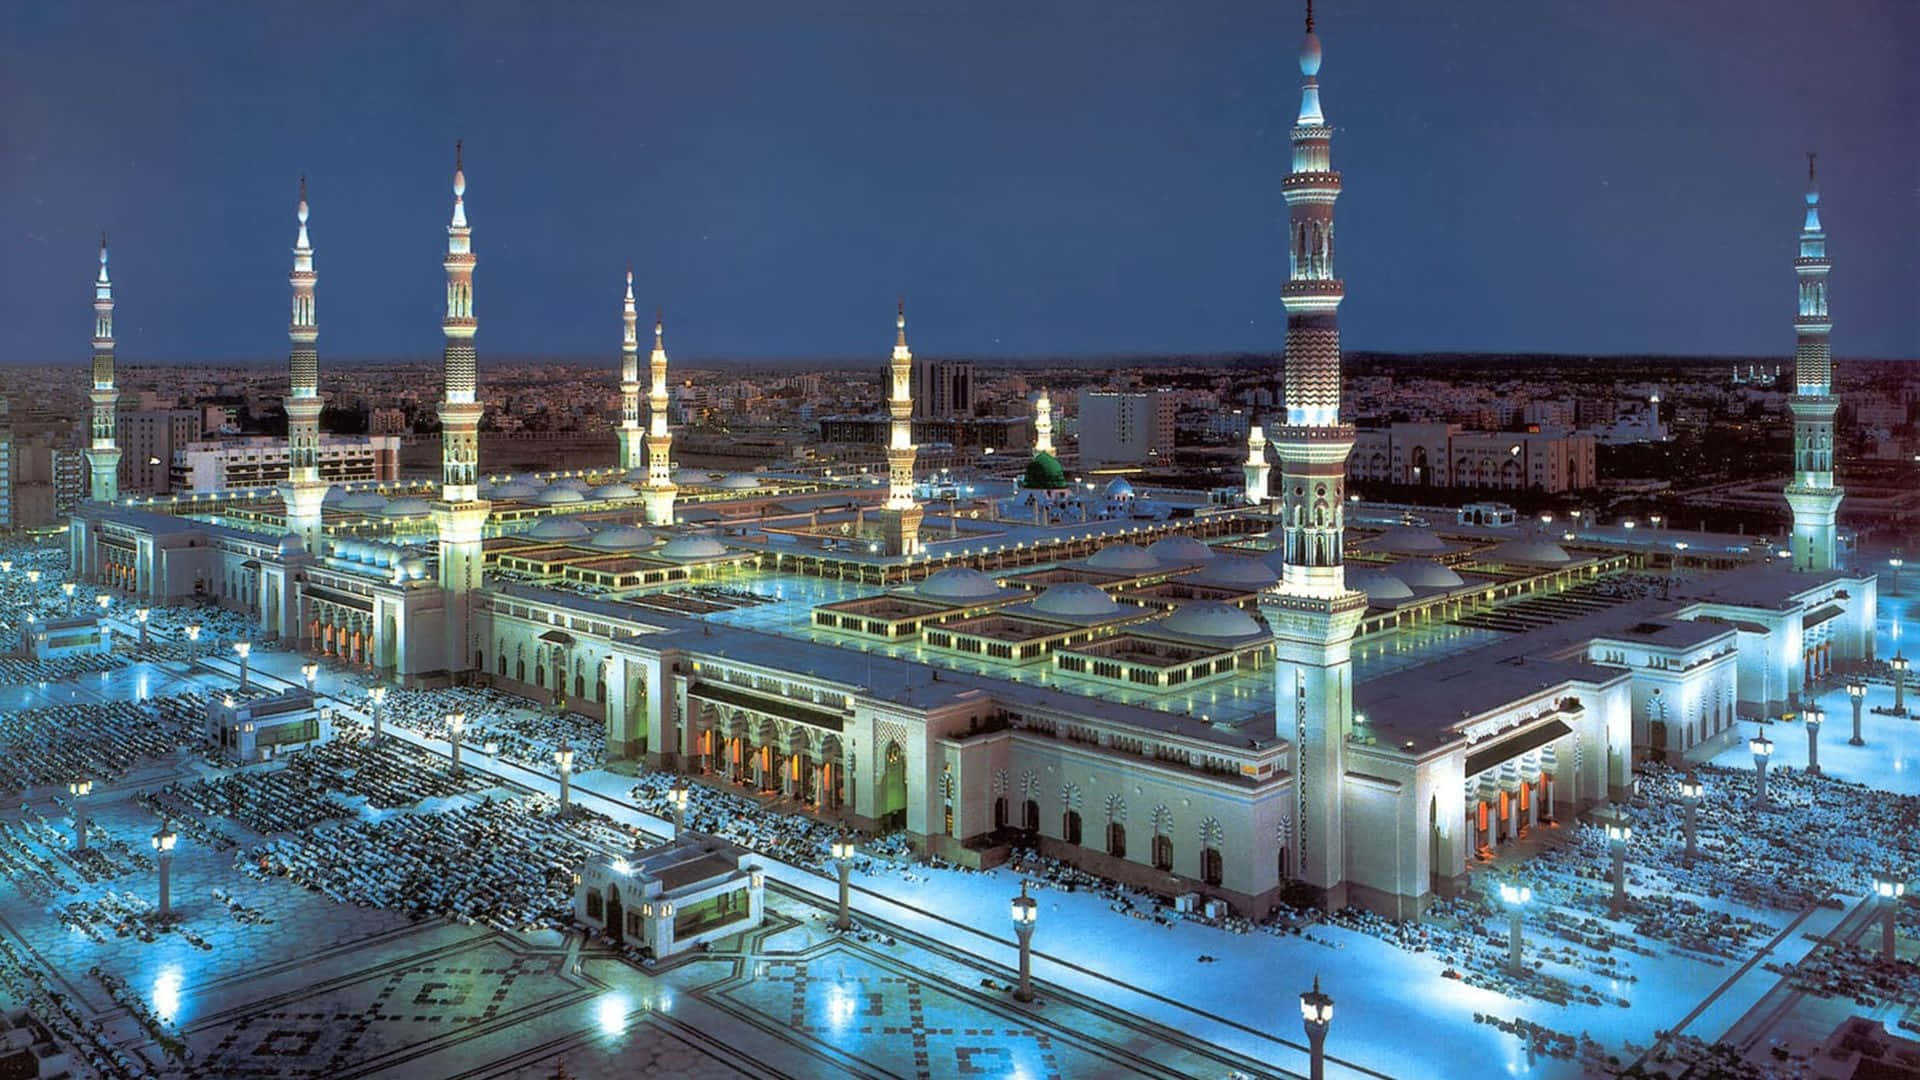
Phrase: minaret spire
x=459 y=515
x=632 y=456
x=902 y=515
x=1043 y=423
x=1811 y=494
x=659 y=491
x=303 y=493
x=103 y=453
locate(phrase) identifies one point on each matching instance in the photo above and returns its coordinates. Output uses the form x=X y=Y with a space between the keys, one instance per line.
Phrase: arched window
x=1000 y=813
x=1210 y=869
x=1070 y=827
x=1030 y=816
x=1116 y=840
x=1163 y=852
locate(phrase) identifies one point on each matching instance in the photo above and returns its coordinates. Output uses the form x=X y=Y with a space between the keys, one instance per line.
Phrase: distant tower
x=460 y=515
x=632 y=455
x=1043 y=423
x=103 y=456
x=659 y=491
x=1312 y=612
x=902 y=514
x=1256 y=468
x=1811 y=494
x=304 y=491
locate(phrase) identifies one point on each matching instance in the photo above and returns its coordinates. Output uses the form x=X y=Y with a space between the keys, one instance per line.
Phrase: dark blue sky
x=1564 y=175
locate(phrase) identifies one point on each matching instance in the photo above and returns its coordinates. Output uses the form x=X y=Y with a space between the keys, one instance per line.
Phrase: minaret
x=103 y=456
x=304 y=491
x=632 y=456
x=1043 y=423
x=902 y=514
x=1312 y=612
x=1811 y=494
x=459 y=515
x=658 y=494
x=1256 y=468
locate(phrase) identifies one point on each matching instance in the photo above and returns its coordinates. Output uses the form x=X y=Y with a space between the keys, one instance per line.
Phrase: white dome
x=1236 y=572
x=1119 y=488
x=692 y=476
x=1531 y=552
x=291 y=545
x=637 y=474
x=740 y=482
x=1124 y=558
x=573 y=482
x=559 y=528
x=363 y=500
x=408 y=507
x=514 y=489
x=413 y=567
x=1210 y=620
x=615 y=491
x=1180 y=549
x=621 y=538
x=1425 y=574
x=557 y=496
x=1076 y=599
x=958 y=583
x=1380 y=586
x=1407 y=540
x=692 y=547
x=342 y=549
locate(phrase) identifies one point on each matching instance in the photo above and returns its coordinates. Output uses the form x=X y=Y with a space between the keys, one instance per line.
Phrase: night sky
x=1037 y=178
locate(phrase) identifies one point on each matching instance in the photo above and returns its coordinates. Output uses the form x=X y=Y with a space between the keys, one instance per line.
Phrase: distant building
x=147 y=440
x=1442 y=455
x=258 y=462
x=387 y=422
x=942 y=389
x=1125 y=428
x=69 y=478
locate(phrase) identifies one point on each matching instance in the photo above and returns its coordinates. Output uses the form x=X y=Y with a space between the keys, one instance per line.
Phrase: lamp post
x=1025 y=911
x=1814 y=716
x=141 y=615
x=1517 y=897
x=163 y=842
x=677 y=797
x=105 y=602
x=843 y=859
x=1316 y=1012
x=243 y=649
x=310 y=672
x=563 y=757
x=193 y=634
x=376 y=697
x=1895 y=564
x=1690 y=792
x=1889 y=889
x=1762 y=748
x=456 y=724
x=1857 y=693
x=1618 y=833
x=69 y=588
x=1899 y=663
x=79 y=789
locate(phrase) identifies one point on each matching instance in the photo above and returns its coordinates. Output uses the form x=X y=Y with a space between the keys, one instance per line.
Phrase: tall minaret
x=1043 y=423
x=103 y=456
x=1811 y=494
x=902 y=514
x=460 y=515
x=1312 y=612
x=632 y=456
x=1256 y=469
x=304 y=492
x=658 y=494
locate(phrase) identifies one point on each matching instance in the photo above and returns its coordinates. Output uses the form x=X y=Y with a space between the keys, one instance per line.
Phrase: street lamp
x=1517 y=897
x=1316 y=1012
x=141 y=615
x=843 y=849
x=243 y=649
x=1857 y=691
x=68 y=588
x=1762 y=748
x=1814 y=716
x=310 y=672
x=1618 y=833
x=1895 y=564
x=1899 y=663
x=563 y=757
x=1889 y=889
x=456 y=724
x=79 y=789
x=163 y=842
x=105 y=602
x=1025 y=911
x=1691 y=791
x=193 y=633
x=677 y=797
x=376 y=697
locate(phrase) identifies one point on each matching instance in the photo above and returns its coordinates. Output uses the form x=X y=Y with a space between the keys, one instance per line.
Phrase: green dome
x=1044 y=472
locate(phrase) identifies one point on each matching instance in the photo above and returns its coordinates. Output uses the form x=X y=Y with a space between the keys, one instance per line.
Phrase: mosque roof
x=1425 y=574
x=556 y=495
x=624 y=538
x=1207 y=619
x=1126 y=558
x=1175 y=550
x=1531 y=552
x=689 y=548
x=1044 y=472
x=1235 y=572
x=1381 y=587
x=616 y=490
x=405 y=507
x=1119 y=488
x=958 y=584
x=559 y=528
x=1407 y=540
x=1075 y=599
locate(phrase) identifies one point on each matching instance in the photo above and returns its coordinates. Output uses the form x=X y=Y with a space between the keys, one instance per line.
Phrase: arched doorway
x=893 y=789
x=616 y=917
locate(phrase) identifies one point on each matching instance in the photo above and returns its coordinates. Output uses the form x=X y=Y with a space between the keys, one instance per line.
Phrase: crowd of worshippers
x=497 y=724
x=57 y=744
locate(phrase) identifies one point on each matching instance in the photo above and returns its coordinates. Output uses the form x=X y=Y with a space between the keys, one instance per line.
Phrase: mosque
x=1239 y=701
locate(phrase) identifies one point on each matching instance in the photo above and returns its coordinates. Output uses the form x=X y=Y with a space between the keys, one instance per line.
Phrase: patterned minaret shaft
x=1043 y=423
x=303 y=493
x=1312 y=613
x=460 y=516
x=103 y=455
x=902 y=515
x=1811 y=493
x=631 y=452
x=659 y=492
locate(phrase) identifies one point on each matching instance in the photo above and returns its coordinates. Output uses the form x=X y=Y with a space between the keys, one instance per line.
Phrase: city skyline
x=1115 y=197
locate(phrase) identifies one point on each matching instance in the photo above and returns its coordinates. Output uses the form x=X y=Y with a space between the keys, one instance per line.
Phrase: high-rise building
x=942 y=389
x=1125 y=428
x=261 y=461
x=1811 y=493
x=148 y=439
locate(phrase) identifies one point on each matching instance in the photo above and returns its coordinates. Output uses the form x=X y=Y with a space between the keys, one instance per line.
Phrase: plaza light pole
x=163 y=842
x=79 y=789
x=105 y=602
x=1889 y=889
x=141 y=615
x=243 y=649
x=193 y=634
x=376 y=697
x=563 y=757
x=1618 y=833
x=1857 y=692
x=69 y=588
x=456 y=725
x=311 y=673
x=1899 y=662
x=1316 y=1012
x=1814 y=716
x=1690 y=792
x=677 y=797
x=1025 y=911
x=1762 y=748
x=1895 y=564
x=1517 y=897
x=843 y=859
